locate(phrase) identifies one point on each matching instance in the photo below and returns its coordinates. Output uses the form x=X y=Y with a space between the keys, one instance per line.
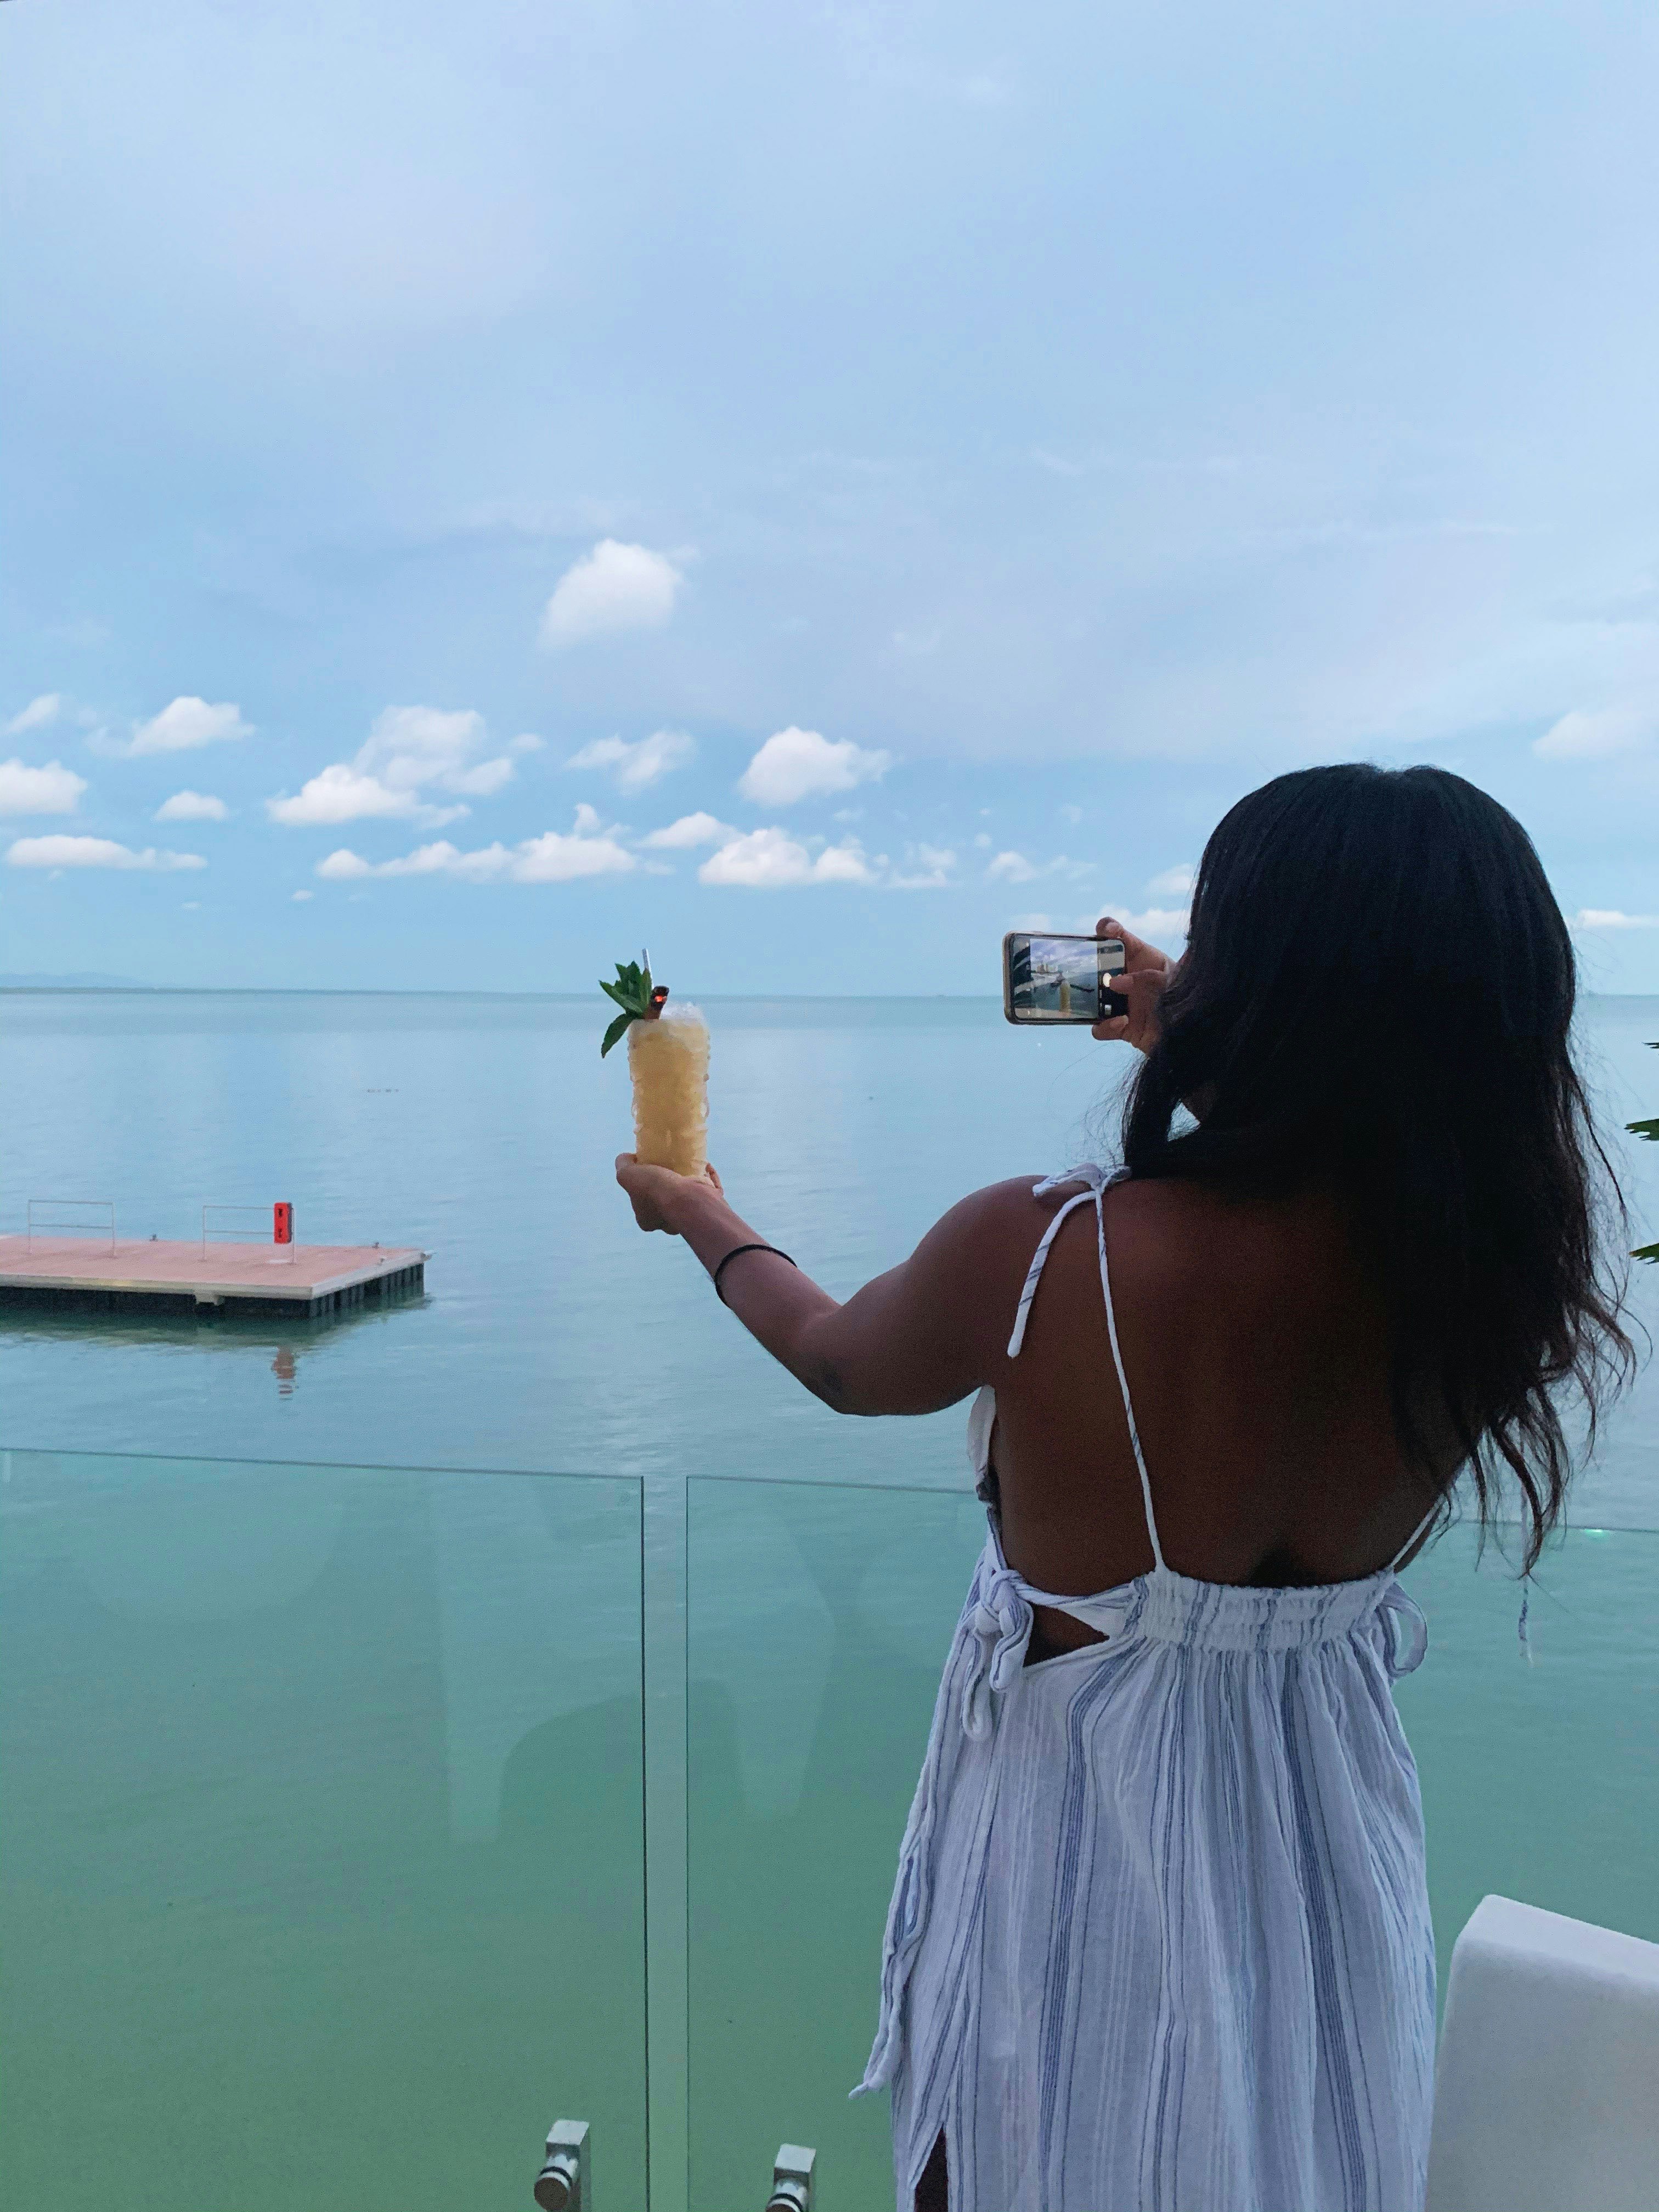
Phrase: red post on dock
x=282 y=1227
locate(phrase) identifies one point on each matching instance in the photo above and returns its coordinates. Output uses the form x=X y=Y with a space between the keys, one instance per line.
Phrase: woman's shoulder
x=1167 y=1234
x=1001 y=1218
x=984 y=1244
x=1172 y=1219
x=1177 y=1233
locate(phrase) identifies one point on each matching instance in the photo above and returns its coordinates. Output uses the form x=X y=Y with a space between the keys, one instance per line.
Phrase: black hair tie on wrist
x=736 y=1252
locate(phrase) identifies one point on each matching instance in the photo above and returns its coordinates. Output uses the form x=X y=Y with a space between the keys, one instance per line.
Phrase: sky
x=803 y=486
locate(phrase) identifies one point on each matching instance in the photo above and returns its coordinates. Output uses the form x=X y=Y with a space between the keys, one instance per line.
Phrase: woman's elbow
x=844 y=1391
x=829 y=1382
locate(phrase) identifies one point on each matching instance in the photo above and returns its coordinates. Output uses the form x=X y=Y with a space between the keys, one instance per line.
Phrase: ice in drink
x=668 y=1060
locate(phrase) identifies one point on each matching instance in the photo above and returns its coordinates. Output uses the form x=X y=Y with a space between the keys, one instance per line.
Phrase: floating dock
x=295 y=1281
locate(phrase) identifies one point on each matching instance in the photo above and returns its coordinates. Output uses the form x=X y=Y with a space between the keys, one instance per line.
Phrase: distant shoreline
x=561 y=997
x=8 y=990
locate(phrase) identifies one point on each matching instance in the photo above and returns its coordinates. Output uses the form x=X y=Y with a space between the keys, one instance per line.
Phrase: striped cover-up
x=1160 y=1938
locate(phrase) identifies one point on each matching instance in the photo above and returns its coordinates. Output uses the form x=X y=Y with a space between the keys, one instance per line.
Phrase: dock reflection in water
x=283 y=1345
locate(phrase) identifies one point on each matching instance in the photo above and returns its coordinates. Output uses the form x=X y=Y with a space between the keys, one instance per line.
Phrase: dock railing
x=245 y=1229
x=67 y=1216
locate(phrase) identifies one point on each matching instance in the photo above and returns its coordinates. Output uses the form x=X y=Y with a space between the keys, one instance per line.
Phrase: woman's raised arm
x=916 y=1338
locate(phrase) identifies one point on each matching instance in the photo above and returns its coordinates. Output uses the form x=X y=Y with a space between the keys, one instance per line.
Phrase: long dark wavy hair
x=1378 y=994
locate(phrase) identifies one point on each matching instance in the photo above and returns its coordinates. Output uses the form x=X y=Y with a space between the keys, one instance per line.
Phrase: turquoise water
x=484 y=1129
x=321 y=1834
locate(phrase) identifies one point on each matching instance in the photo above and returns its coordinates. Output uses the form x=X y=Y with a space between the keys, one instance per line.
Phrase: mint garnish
x=632 y=991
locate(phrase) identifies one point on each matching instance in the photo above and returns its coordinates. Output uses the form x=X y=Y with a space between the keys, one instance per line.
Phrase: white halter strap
x=1099 y=1182
x=1416 y=1537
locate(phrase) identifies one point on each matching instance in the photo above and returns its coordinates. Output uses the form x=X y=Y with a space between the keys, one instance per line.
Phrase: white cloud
x=1175 y=882
x=63 y=852
x=1011 y=868
x=636 y=767
x=187 y=723
x=690 y=830
x=771 y=859
x=339 y=793
x=39 y=715
x=485 y=780
x=615 y=588
x=300 y=897
x=1164 y=926
x=1598 y=734
x=1600 y=917
x=927 y=868
x=553 y=858
x=53 y=789
x=409 y=748
x=796 y=764
x=191 y=806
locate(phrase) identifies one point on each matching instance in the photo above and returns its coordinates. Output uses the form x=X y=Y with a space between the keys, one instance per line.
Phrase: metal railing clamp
x=565 y=2182
x=791 y=2179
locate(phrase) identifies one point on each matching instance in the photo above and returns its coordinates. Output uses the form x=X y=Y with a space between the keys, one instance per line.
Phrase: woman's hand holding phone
x=1145 y=972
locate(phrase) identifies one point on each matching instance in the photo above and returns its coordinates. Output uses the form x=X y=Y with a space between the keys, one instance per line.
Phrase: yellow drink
x=668 y=1060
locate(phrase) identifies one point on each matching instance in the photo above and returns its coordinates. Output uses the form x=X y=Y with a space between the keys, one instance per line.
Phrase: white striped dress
x=1160 y=1938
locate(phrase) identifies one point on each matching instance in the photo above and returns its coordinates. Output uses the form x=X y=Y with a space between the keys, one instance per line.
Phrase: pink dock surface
x=315 y=1274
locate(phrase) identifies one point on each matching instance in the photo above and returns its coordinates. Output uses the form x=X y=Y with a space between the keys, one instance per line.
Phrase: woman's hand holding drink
x=662 y=1197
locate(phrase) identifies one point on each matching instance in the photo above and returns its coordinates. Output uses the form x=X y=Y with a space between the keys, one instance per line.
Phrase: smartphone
x=1061 y=979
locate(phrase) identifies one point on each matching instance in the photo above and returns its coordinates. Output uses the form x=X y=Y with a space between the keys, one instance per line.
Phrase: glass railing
x=343 y=1809
x=818 y=1621
x=321 y=1834
x=1540 y=1766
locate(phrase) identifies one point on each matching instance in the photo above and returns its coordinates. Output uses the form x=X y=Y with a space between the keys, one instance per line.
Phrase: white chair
x=1547 y=2091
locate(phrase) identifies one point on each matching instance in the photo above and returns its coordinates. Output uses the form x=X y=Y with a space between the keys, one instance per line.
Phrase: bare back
x=1258 y=1356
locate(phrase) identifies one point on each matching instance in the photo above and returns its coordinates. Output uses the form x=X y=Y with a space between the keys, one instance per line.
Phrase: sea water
x=553 y=1334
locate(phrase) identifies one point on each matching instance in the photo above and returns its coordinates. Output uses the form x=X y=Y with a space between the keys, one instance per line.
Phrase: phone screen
x=1059 y=979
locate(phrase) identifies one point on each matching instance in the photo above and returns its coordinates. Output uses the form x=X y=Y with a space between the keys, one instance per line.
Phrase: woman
x=1160 y=1940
